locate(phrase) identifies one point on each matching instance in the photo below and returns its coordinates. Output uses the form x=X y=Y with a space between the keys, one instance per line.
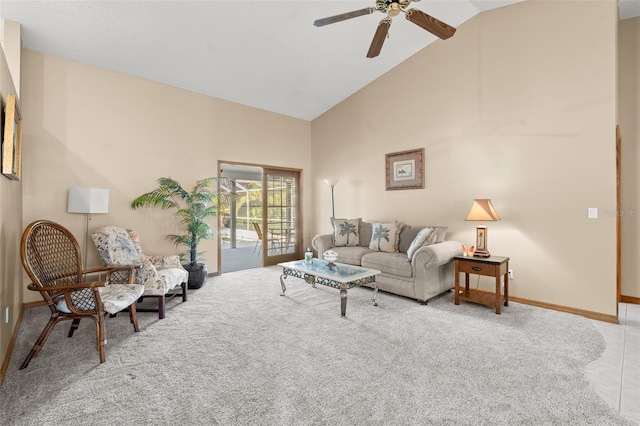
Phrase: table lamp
x=482 y=210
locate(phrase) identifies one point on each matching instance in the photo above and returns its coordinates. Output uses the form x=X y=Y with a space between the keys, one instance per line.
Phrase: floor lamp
x=88 y=201
x=332 y=183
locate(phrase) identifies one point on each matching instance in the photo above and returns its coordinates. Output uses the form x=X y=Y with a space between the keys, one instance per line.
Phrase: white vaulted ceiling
x=265 y=54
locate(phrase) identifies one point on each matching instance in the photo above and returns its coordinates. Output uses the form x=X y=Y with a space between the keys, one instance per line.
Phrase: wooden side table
x=494 y=266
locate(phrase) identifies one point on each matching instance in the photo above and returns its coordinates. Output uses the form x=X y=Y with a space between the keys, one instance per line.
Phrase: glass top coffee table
x=339 y=275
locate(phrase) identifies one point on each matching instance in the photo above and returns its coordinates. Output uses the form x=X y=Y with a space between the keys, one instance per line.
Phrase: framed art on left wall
x=12 y=139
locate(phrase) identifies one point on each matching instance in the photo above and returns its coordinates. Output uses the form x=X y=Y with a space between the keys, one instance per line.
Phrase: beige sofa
x=428 y=273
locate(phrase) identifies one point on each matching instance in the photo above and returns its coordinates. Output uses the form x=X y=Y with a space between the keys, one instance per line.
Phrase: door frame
x=618 y=221
x=299 y=213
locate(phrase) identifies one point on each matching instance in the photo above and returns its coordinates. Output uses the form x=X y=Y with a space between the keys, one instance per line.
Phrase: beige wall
x=520 y=107
x=10 y=206
x=629 y=119
x=90 y=127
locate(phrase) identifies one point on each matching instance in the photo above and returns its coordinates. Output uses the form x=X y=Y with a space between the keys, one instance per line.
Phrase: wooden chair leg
x=100 y=336
x=134 y=317
x=74 y=326
x=161 y=305
x=40 y=341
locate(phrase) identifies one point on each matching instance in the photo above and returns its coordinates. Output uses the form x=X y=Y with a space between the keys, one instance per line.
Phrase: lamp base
x=481 y=242
x=481 y=253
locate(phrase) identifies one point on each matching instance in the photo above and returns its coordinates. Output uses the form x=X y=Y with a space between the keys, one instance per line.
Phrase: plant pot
x=198 y=275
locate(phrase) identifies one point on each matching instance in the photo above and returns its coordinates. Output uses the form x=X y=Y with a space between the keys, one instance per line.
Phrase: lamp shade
x=331 y=182
x=482 y=210
x=88 y=200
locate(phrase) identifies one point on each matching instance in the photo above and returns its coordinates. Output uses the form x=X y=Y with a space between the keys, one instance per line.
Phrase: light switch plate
x=592 y=213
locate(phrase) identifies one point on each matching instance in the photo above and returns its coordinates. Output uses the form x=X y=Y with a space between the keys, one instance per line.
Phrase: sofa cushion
x=419 y=241
x=365 y=234
x=385 y=236
x=390 y=263
x=408 y=233
x=346 y=232
x=351 y=255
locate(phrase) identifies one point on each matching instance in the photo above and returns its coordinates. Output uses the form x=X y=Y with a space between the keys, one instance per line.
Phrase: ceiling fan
x=392 y=8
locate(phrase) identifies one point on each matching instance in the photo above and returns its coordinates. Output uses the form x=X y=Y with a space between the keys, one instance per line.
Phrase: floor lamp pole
x=332 y=183
x=87 y=201
x=86 y=240
x=333 y=210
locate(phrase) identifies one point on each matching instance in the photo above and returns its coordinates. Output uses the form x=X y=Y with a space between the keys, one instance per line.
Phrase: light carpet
x=237 y=353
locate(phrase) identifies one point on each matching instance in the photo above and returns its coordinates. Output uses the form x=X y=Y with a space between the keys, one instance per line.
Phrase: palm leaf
x=192 y=208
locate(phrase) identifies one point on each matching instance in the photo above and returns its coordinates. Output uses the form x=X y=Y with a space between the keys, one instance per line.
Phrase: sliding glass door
x=261 y=226
x=281 y=216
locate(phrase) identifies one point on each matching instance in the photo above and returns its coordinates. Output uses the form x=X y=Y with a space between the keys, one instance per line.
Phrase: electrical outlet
x=510 y=274
x=6 y=315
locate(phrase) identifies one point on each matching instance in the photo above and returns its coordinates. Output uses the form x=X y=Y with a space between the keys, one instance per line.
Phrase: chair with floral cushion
x=51 y=257
x=162 y=276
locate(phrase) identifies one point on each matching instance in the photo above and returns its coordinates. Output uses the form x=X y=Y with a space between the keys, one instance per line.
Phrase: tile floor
x=616 y=375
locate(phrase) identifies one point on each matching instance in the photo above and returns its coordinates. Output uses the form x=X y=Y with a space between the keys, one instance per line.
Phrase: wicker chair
x=51 y=257
x=162 y=276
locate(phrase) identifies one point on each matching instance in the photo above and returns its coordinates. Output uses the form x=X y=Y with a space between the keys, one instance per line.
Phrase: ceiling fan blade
x=431 y=24
x=379 y=37
x=343 y=16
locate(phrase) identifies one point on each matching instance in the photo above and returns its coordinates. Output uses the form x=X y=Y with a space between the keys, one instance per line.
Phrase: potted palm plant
x=192 y=208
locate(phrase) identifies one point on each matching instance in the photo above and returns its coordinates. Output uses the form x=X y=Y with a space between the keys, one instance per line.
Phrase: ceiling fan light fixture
x=394 y=10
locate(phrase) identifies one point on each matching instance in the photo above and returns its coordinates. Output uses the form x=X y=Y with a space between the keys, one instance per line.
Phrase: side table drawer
x=477 y=268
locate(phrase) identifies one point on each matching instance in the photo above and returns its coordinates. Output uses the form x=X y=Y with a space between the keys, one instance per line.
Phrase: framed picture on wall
x=11 y=139
x=405 y=169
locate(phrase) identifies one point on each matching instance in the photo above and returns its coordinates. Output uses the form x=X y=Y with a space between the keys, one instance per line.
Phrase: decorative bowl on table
x=330 y=256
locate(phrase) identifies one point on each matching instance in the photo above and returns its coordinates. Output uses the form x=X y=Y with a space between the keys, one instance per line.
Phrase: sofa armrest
x=435 y=255
x=322 y=243
x=433 y=269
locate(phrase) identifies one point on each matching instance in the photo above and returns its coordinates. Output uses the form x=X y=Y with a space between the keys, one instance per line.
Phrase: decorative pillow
x=115 y=246
x=439 y=232
x=419 y=241
x=385 y=236
x=345 y=232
